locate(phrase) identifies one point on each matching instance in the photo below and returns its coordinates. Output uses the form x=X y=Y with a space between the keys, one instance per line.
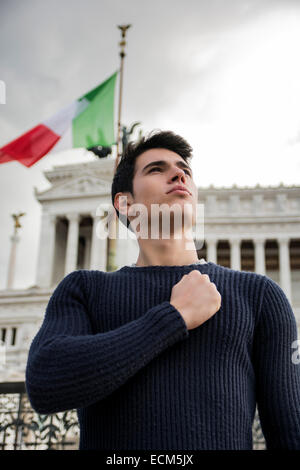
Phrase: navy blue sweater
x=112 y=346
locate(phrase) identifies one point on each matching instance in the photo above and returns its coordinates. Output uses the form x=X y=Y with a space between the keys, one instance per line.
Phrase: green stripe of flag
x=95 y=125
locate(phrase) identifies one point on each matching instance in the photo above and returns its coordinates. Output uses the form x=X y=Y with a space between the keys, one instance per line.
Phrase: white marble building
x=256 y=229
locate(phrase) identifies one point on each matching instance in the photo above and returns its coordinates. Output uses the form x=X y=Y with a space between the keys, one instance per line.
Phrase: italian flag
x=87 y=122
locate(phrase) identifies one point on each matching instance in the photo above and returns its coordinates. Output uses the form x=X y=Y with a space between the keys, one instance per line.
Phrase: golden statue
x=16 y=218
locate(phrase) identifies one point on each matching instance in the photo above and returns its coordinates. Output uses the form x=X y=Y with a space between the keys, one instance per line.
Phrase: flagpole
x=122 y=55
x=112 y=222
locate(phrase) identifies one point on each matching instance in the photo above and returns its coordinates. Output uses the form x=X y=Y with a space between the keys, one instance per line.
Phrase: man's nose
x=179 y=174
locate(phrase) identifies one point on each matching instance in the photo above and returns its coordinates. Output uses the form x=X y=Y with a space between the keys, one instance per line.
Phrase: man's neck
x=165 y=253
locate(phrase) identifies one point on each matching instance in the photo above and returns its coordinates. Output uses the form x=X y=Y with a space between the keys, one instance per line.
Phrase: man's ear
x=122 y=202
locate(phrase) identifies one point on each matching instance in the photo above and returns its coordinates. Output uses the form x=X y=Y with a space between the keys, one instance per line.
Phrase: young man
x=170 y=353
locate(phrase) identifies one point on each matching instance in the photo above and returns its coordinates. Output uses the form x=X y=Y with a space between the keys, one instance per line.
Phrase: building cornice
x=234 y=189
x=103 y=168
x=31 y=294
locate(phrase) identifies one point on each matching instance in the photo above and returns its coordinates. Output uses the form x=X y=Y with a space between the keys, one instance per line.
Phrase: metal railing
x=259 y=442
x=21 y=428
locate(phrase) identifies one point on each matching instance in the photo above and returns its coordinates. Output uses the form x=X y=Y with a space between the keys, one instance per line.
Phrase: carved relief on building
x=81 y=186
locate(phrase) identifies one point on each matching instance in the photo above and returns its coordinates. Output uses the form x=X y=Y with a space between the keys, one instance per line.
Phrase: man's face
x=157 y=172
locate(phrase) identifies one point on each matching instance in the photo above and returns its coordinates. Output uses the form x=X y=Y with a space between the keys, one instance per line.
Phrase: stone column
x=235 y=253
x=259 y=248
x=46 y=250
x=211 y=244
x=87 y=253
x=24 y=338
x=72 y=242
x=9 y=334
x=12 y=261
x=127 y=246
x=284 y=266
x=99 y=243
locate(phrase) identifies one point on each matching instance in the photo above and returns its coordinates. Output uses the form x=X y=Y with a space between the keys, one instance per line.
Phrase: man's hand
x=196 y=298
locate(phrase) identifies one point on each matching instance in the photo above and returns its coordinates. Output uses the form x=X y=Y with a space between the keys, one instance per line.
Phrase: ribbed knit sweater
x=112 y=346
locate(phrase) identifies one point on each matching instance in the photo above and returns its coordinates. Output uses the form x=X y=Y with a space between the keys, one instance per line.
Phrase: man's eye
x=155 y=168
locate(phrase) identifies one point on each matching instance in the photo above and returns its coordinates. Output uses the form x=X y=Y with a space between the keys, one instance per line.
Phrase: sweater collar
x=200 y=261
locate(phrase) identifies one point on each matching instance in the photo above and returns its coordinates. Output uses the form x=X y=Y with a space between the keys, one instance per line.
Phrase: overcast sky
x=225 y=74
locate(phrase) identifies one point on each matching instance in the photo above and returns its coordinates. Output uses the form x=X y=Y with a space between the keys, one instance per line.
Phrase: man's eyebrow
x=163 y=163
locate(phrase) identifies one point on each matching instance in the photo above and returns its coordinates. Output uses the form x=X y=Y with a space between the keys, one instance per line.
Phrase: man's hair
x=123 y=178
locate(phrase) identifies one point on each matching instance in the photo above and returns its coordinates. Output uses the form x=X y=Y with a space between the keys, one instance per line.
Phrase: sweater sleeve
x=277 y=370
x=70 y=367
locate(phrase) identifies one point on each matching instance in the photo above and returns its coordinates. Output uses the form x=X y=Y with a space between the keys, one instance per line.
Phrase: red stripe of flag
x=30 y=147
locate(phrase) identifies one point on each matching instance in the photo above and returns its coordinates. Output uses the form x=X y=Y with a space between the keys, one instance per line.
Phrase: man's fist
x=196 y=298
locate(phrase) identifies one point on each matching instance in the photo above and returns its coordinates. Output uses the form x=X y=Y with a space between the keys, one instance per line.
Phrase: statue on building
x=100 y=151
x=127 y=133
x=16 y=218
